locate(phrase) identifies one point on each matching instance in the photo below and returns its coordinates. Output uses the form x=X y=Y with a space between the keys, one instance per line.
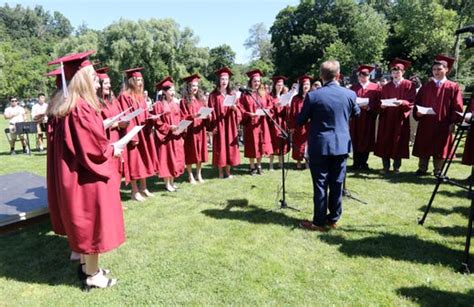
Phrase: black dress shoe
x=419 y=173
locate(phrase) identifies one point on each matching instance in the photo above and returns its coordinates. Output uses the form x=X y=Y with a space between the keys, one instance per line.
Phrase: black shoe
x=253 y=171
x=419 y=173
x=259 y=171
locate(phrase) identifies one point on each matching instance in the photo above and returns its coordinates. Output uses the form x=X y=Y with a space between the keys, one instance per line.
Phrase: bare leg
x=271 y=162
x=189 y=169
x=198 y=172
x=144 y=189
x=135 y=193
x=169 y=186
x=227 y=171
x=252 y=163
x=96 y=277
x=221 y=172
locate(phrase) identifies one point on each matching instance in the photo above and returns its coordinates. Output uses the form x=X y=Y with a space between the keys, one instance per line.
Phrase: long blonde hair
x=80 y=86
x=132 y=88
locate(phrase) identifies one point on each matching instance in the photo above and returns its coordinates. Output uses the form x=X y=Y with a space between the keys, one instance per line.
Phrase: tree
x=259 y=42
x=220 y=56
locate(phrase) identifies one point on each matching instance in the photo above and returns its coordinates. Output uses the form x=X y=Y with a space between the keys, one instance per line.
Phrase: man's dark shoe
x=308 y=225
x=419 y=172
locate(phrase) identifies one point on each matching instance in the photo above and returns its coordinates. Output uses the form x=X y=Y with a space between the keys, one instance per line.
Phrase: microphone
x=245 y=90
x=465 y=29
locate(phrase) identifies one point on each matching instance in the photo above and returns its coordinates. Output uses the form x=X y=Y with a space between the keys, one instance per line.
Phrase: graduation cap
x=133 y=72
x=192 y=78
x=275 y=79
x=303 y=78
x=254 y=73
x=102 y=72
x=223 y=71
x=400 y=64
x=444 y=60
x=365 y=69
x=165 y=83
x=55 y=73
x=70 y=65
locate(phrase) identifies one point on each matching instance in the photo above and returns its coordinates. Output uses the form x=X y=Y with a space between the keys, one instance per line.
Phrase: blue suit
x=328 y=110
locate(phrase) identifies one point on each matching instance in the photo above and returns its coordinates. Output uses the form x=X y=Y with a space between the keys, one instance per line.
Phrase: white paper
x=425 y=111
x=204 y=112
x=467 y=117
x=229 y=100
x=108 y=122
x=155 y=116
x=362 y=101
x=183 y=125
x=392 y=102
x=285 y=99
x=260 y=112
x=120 y=144
x=132 y=115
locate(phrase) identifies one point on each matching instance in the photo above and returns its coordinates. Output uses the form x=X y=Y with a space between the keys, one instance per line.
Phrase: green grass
x=225 y=242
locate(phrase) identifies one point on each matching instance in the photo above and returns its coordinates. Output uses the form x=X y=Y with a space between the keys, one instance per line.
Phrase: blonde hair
x=329 y=70
x=132 y=88
x=80 y=86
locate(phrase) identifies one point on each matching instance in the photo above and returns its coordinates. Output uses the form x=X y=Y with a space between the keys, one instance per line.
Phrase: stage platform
x=22 y=196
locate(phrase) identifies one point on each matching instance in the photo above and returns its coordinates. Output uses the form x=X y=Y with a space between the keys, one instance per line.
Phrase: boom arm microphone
x=245 y=90
x=465 y=29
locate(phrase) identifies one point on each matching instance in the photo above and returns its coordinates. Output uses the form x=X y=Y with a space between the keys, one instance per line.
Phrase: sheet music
x=183 y=125
x=108 y=122
x=260 y=112
x=362 y=101
x=132 y=115
x=392 y=102
x=467 y=117
x=285 y=99
x=155 y=116
x=229 y=100
x=425 y=111
x=128 y=137
x=205 y=111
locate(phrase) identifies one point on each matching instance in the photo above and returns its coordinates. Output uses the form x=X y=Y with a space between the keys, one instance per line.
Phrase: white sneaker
x=137 y=197
x=147 y=193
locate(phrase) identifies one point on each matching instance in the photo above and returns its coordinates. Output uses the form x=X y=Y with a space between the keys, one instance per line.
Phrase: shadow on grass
x=397 y=247
x=35 y=255
x=461 y=210
x=251 y=214
x=454 y=231
x=425 y=296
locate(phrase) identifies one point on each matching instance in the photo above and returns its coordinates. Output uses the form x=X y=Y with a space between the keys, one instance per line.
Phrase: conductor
x=328 y=110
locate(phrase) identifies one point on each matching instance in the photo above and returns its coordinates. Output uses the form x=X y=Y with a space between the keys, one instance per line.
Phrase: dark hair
x=188 y=96
x=103 y=98
x=300 y=89
x=12 y=97
x=218 y=86
x=41 y=94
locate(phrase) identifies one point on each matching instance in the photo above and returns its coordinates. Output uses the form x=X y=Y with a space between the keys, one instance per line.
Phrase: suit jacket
x=329 y=109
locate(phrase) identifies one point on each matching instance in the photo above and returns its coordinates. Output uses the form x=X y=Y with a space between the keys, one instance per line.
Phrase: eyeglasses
x=14 y=100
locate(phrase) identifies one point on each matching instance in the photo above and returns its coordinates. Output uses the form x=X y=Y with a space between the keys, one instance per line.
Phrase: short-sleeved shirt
x=39 y=109
x=18 y=114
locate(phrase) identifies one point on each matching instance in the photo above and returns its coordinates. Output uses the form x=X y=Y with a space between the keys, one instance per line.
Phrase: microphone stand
x=286 y=139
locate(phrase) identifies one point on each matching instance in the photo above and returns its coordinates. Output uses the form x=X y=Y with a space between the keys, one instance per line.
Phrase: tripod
x=347 y=193
x=286 y=140
x=442 y=177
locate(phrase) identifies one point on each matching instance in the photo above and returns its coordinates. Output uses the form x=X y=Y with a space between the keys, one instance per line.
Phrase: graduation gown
x=51 y=179
x=362 y=128
x=280 y=115
x=141 y=161
x=257 y=135
x=468 y=154
x=224 y=126
x=170 y=147
x=393 y=134
x=433 y=136
x=195 y=139
x=89 y=197
x=300 y=134
x=111 y=109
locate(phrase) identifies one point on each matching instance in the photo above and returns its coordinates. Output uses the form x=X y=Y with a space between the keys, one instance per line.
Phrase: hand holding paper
x=132 y=115
x=230 y=100
x=108 y=122
x=120 y=144
x=204 y=112
x=260 y=112
x=425 y=110
x=467 y=117
x=392 y=102
x=182 y=126
x=362 y=101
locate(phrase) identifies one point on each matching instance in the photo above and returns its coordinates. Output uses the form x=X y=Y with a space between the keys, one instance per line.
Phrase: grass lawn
x=226 y=242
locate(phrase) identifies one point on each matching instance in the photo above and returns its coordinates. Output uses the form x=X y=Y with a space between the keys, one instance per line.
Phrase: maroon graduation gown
x=468 y=155
x=195 y=139
x=257 y=135
x=362 y=128
x=51 y=179
x=393 y=134
x=280 y=115
x=89 y=197
x=141 y=161
x=224 y=125
x=300 y=134
x=111 y=109
x=433 y=136
x=170 y=147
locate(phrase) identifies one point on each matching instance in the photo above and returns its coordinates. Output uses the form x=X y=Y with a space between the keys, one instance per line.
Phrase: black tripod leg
x=465 y=264
x=444 y=171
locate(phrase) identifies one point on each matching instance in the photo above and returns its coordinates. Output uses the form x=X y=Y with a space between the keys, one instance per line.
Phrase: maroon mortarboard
x=303 y=78
x=133 y=72
x=254 y=73
x=223 y=71
x=444 y=60
x=192 y=78
x=275 y=79
x=55 y=73
x=366 y=69
x=400 y=64
x=72 y=63
x=166 y=82
x=102 y=72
